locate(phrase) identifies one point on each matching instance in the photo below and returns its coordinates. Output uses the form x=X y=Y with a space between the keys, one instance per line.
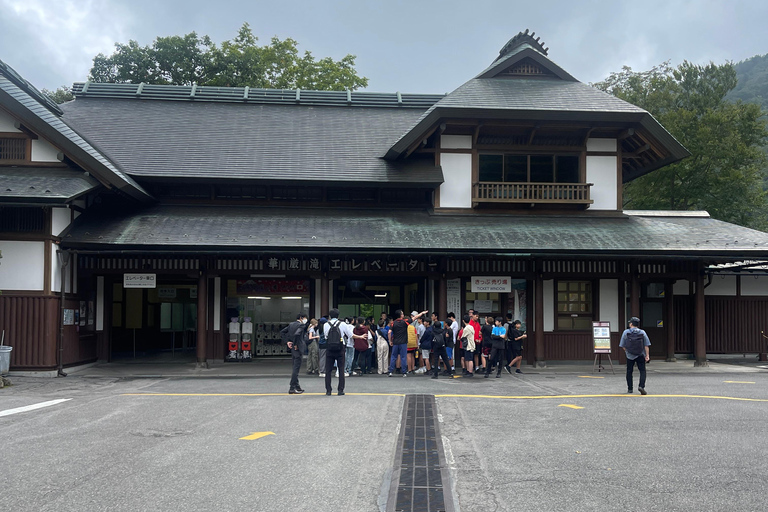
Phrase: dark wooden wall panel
x=31 y=326
x=734 y=324
x=560 y=346
x=684 y=327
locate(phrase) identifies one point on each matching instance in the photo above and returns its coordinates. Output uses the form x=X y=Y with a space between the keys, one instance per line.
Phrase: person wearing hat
x=635 y=343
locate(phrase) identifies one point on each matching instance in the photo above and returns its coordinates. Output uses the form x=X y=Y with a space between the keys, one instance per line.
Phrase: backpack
x=321 y=339
x=413 y=338
x=634 y=342
x=438 y=337
x=333 y=340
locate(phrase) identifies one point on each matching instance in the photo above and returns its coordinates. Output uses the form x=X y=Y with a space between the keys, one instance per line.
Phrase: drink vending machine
x=234 y=340
x=261 y=334
x=245 y=343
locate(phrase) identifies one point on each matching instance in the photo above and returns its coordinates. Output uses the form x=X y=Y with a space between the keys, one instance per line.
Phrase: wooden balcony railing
x=501 y=192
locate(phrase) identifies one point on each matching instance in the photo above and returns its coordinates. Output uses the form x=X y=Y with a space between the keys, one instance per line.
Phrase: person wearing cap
x=635 y=343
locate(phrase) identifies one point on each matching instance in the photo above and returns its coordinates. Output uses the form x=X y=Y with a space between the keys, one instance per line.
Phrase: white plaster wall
x=22 y=266
x=609 y=303
x=602 y=173
x=43 y=151
x=55 y=269
x=318 y=298
x=754 y=285
x=456 y=141
x=722 y=285
x=6 y=123
x=456 y=190
x=549 y=306
x=681 y=287
x=60 y=218
x=602 y=145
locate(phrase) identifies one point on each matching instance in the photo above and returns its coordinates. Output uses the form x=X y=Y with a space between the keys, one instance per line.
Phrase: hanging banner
x=454 y=297
x=491 y=284
x=601 y=334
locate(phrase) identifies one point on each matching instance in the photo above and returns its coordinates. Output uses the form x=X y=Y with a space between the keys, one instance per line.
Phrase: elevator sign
x=139 y=280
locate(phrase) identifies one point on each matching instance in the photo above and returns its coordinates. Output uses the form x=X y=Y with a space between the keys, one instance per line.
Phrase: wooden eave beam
x=532 y=135
x=413 y=147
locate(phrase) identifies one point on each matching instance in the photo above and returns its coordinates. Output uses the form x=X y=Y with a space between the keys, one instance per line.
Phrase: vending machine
x=246 y=339
x=234 y=340
x=261 y=333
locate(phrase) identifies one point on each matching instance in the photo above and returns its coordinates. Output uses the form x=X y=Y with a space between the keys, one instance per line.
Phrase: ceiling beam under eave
x=639 y=151
x=532 y=135
x=628 y=133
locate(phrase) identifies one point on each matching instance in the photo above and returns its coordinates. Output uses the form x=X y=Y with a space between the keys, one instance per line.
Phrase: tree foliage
x=191 y=59
x=61 y=95
x=724 y=173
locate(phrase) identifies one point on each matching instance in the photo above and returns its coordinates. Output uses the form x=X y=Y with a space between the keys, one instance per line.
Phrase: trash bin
x=5 y=358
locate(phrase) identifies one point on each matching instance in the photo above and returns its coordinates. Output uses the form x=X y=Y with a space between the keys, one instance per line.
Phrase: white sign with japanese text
x=491 y=284
x=454 y=296
x=139 y=280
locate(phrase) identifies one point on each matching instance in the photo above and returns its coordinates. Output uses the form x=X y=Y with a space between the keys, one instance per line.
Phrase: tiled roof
x=191 y=229
x=43 y=184
x=45 y=121
x=271 y=142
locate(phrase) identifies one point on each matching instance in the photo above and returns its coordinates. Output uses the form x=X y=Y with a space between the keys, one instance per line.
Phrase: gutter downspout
x=63 y=261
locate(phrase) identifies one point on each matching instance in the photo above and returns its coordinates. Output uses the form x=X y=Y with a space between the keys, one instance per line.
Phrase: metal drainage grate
x=417 y=482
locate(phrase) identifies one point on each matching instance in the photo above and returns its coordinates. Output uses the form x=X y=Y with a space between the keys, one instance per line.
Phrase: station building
x=140 y=219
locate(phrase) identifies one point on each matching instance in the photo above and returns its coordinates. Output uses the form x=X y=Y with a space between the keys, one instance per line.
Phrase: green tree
x=188 y=59
x=61 y=95
x=724 y=173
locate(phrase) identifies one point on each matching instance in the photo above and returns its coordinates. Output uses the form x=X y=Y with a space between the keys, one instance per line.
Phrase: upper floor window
x=512 y=168
x=13 y=149
x=15 y=219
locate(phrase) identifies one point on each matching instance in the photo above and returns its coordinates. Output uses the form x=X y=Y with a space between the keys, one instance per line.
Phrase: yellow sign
x=257 y=435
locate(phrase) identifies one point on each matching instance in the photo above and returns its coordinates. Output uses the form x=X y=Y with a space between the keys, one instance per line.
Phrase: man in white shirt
x=455 y=330
x=420 y=329
x=336 y=356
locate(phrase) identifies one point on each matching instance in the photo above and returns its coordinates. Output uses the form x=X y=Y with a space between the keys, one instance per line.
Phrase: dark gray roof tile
x=43 y=184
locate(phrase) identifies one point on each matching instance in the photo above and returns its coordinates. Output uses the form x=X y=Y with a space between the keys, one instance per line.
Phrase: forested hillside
x=753 y=81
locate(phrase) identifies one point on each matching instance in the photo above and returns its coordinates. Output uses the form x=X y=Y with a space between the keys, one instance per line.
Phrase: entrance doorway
x=366 y=297
x=154 y=323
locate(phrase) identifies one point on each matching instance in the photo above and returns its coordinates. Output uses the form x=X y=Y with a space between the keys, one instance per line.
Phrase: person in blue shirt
x=635 y=343
x=498 y=340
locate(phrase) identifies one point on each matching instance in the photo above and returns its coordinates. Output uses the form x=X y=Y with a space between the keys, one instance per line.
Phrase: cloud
x=63 y=35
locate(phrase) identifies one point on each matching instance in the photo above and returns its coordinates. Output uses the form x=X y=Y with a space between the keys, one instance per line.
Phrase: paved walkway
x=186 y=367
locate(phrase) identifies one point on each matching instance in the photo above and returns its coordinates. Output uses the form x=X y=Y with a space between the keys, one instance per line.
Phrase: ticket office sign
x=601 y=334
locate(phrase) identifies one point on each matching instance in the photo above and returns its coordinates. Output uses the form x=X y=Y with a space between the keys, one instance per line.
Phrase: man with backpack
x=335 y=349
x=635 y=343
x=438 y=346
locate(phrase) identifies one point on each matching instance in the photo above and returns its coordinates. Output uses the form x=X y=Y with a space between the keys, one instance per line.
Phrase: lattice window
x=526 y=68
x=13 y=149
x=22 y=219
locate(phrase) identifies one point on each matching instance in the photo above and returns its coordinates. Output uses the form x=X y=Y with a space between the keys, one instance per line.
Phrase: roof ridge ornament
x=520 y=39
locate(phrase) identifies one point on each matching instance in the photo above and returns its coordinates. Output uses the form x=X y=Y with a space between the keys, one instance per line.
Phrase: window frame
x=528 y=155
x=592 y=301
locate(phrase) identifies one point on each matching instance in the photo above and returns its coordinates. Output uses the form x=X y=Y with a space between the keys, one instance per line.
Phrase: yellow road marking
x=738 y=382
x=590 y=377
x=503 y=397
x=570 y=406
x=257 y=435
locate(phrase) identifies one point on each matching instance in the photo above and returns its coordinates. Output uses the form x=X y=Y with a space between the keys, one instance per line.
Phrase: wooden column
x=700 y=340
x=442 y=298
x=669 y=320
x=202 y=317
x=539 y=321
x=324 y=307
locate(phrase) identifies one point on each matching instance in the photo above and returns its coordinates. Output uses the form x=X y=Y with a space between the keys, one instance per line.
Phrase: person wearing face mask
x=294 y=334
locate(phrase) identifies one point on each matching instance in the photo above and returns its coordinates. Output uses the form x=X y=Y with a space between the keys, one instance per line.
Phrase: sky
x=408 y=46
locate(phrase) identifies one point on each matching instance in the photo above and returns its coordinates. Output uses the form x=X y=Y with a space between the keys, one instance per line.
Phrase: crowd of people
x=420 y=343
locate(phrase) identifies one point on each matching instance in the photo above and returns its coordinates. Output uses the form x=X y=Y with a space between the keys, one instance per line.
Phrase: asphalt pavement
x=559 y=438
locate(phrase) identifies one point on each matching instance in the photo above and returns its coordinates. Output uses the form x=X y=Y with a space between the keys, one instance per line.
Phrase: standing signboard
x=601 y=342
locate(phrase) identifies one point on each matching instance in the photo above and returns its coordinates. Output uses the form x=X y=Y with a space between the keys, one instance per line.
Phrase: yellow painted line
x=502 y=397
x=257 y=435
x=570 y=406
x=590 y=377
x=255 y=394
x=738 y=382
